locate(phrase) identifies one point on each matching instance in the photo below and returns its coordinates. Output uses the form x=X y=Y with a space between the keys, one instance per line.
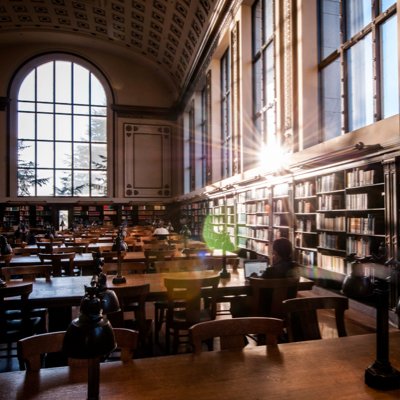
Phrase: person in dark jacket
x=282 y=265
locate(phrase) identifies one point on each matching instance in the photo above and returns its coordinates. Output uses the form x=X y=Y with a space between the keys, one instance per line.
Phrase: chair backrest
x=112 y=256
x=19 y=294
x=188 y=293
x=232 y=331
x=127 y=267
x=268 y=294
x=28 y=272
x=31 y=349
x=302 y=316
x=128 y=296
x=56 y=261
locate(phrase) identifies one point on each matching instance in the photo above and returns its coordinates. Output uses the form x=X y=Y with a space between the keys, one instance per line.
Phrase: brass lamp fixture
x=90 y=336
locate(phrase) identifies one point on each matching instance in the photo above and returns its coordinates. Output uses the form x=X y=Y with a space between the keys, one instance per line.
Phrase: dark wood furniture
x=187 y=304
x=232 y=332
x=332 y=368
x=302 y=317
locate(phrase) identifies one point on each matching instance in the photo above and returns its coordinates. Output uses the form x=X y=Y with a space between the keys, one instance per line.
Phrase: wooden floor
x=359 y=320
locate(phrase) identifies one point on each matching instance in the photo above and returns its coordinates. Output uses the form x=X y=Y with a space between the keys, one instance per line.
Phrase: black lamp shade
x=86 y=338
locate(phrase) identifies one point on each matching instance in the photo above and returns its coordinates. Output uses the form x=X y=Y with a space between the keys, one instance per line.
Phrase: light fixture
x=380 y=374
x=90 y=336
x=249 y=181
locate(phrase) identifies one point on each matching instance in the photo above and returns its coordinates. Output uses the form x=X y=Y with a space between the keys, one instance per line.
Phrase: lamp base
x=382 y=376
x=119 y=279
x=224 y=274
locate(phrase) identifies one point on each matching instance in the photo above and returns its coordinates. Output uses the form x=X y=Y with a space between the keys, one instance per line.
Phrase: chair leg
x=159 y=319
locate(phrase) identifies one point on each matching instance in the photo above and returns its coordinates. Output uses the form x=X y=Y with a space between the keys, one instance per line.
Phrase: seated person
x=161 y=232
x=282 y=267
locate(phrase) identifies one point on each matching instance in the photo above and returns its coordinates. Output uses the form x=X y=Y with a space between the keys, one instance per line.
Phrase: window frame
x=14 y=88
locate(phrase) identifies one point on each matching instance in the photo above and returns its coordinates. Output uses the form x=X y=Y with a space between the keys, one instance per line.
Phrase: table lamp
x=380 y=374
x=90 y=336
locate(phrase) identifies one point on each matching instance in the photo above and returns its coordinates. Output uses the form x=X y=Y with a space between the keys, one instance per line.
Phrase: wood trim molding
x=4 y=102
x=128 y=111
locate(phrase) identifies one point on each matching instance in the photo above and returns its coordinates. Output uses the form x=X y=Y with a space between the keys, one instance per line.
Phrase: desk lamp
x=90 y=336
x=380 y=374
x=119 y=246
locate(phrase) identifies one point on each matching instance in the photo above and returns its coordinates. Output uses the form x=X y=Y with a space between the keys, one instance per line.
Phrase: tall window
x=358 y=44
x=226 y=127
x=205 y=134
x=61 y=131
x=264 y=92
x=192 y=147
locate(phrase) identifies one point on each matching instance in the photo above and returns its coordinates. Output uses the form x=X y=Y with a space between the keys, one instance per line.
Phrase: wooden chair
x=232 y=332
x=16 y=318
x=185 y=305
x=31 y=350
x=132 y=300
x=56 y=261
x=268 y=295
x=127 y=267
x=157 y=255
x=172 y=265
x=302 y=316
x=28 y=272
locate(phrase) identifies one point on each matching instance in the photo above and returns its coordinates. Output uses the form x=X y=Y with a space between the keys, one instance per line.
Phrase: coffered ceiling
x=169 y=33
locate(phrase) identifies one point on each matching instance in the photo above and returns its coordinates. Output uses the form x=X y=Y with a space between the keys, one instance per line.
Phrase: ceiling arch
x=168 y=33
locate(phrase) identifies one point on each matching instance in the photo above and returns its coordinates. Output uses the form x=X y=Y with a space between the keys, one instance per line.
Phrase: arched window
x=60 y=129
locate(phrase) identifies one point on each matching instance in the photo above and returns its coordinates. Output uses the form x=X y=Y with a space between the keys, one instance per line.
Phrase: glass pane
x=26 y=126
x=99 y=183
x=63 y=82
x=270 y=75
x=45 y=107
x=99 y=156
x=26 y=106
x=269 y=19
x=26 y=182
x=358 y=15
x=98 y=93
x=63 y=155
x=99 y=129
x=257 y=27
x=385 y=4
x=81 y=110
x=45 y=182
x=81 y=155
x=45 y=154
x=360 y=84
x=81 y=183
x=330 y=93
x=99 y=111
x=63 y=127
x=270 y=123
x=257 y=86
x=45 y=128
x=63 y=109
x=45 y=82
x=81 y=128
x=81 y=85
x=389 y=66
x=330 y=27
x=63 y=182
x=26 y=153
x=27 y=89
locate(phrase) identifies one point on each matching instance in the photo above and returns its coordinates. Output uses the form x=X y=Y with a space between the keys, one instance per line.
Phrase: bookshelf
x=148 y=213
x=43 y=216
x=305 y=234
x=195 y=213
x=110 y=215
x=282 y=211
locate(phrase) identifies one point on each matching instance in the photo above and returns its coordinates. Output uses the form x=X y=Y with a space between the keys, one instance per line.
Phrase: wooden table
x=62 y=293
x=329 y=369
x=86 y=259
x=69 y=290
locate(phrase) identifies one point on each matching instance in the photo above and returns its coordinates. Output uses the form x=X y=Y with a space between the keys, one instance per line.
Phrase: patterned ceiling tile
x=153 y=28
